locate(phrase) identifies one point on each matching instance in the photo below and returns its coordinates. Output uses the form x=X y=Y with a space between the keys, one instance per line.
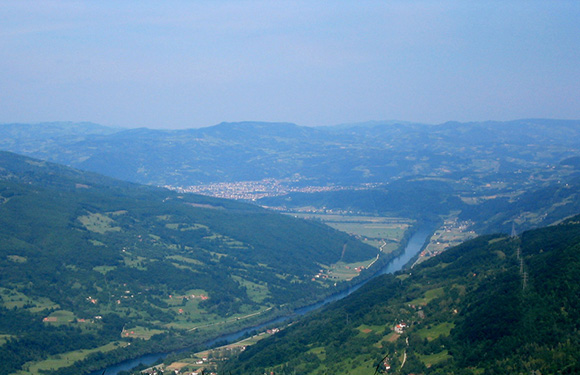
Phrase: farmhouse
x=399 y=328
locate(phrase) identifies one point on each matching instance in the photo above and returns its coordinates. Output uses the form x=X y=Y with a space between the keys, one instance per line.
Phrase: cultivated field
x=382 y=232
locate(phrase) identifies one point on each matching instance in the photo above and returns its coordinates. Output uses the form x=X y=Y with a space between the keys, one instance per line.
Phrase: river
x=414 y=246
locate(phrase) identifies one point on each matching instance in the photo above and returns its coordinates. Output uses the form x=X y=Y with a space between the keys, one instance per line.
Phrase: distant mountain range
x=345 y=155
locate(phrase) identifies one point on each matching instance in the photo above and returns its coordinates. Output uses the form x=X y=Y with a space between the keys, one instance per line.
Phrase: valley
x=112 y=270
x=265 y=330
x=112 y=261
x=469 y=310
x=290 y=188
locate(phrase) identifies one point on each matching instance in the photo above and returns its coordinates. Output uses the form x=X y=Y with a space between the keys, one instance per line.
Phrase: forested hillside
x=87 y=261
x=493 y=305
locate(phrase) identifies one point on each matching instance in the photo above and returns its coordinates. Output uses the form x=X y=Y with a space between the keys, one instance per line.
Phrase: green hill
x=86 y=261
x=493 y=305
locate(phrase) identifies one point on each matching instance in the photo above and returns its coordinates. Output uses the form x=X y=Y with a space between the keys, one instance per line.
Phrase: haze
x=181 y=64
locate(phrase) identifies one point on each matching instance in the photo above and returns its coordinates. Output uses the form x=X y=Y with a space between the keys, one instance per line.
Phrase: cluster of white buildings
x=253 y=190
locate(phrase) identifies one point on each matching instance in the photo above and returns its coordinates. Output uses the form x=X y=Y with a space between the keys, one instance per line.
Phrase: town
x=255 y=190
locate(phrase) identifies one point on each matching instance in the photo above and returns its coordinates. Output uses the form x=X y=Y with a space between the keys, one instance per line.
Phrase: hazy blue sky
x=178 y=64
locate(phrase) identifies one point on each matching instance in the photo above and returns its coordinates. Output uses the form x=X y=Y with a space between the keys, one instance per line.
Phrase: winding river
x=414 y=246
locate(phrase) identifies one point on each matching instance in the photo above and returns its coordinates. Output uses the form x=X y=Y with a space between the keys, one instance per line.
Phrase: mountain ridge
x=257 y=150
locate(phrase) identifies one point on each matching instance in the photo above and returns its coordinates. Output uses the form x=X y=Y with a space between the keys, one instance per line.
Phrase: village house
x=399 y=328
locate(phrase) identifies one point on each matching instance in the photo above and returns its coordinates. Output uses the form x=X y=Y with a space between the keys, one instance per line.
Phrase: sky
x=188 y=64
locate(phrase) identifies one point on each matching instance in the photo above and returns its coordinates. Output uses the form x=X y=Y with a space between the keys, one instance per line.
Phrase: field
x=65 y=359
x=98 y=223
x=138 y=332
x=60 y=317
x=433 y=359
x=257 y=292
x=431 y=333
x=11 y=299
x=366 y=329
x=382 y=232
x=342 y=271
x=429 y=296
